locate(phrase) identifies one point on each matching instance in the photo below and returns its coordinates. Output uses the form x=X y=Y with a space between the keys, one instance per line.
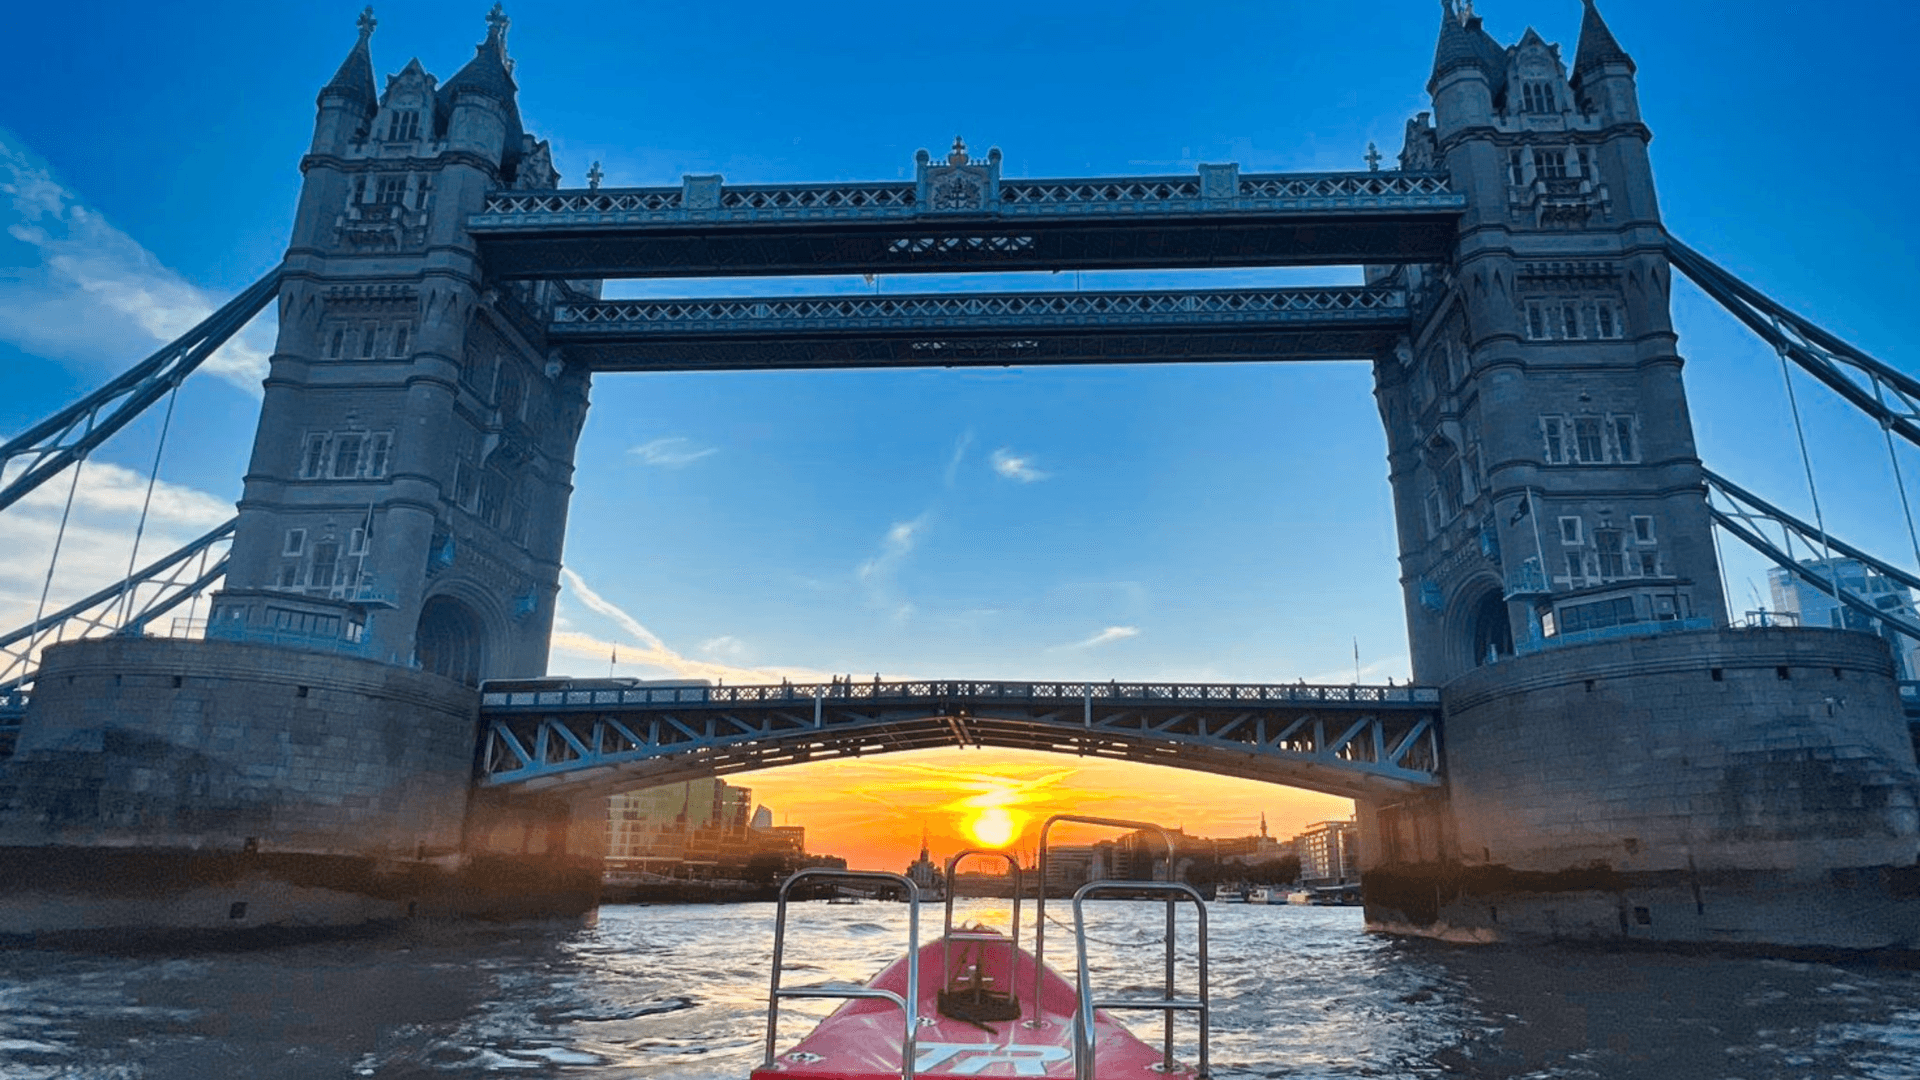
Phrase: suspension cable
x=1899 y=482
x=1806 y=462
x=53 y=560
x=140 y=528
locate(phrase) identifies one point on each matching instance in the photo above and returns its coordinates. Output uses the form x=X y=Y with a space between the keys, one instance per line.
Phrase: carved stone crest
x=961 y=185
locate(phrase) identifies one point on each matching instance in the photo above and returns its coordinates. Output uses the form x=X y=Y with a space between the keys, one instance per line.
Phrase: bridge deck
x=1214 y=218
x=1346 y=740
x=976 y=329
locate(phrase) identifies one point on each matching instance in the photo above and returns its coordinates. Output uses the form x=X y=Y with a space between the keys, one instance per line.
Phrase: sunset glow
x=872 y=811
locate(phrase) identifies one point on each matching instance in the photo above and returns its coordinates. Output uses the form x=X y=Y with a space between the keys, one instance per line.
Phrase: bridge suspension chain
x=40 y=453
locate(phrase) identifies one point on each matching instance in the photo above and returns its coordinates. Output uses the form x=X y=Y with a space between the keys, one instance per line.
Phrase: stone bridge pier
x=172 y=786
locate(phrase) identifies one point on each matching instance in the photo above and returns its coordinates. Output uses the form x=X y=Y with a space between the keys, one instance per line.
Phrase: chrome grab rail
x=1083 y=1043
x=1013 y=939
x=909 y=1048
x=1040 y=904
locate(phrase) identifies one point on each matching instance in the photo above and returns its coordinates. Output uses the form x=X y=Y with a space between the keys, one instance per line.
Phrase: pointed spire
x=355 y=78
x=1598 y=47
x=491 y=70
x=1459 y=45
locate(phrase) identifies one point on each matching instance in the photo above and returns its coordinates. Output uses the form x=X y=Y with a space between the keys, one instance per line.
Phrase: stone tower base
x=164 y=786
x=1751 y=787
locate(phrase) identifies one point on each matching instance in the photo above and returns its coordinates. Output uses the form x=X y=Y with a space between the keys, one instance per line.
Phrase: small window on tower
x=296 y=544
x=1642 y=529
x=1649 y=563
x=346 y=457
x=1516 y=170
x=404 y=126
x=1588 y=449
x=1536 y=97
x=1550 y=164
x=1536 y=320
x=1623 y=440
x=1570 y=322
x=1555 y=431
x=379 y=448
x=401 y=331
x=369 y=341
x=357 y=542
x=1571 y=532
x=1608 y=326
x=1586 y=164
x=393 y=190
x=313 y=463
x=334 y=343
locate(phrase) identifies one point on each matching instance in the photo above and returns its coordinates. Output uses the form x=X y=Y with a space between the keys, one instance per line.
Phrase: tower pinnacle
x=1598 y=47
x=354 y=80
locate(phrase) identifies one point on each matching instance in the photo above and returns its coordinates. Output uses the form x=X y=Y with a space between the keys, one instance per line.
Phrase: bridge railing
x=902 y=691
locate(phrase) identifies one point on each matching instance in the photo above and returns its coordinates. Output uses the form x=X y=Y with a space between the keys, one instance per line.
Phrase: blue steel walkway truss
x=1355 y=741
x=956 y=330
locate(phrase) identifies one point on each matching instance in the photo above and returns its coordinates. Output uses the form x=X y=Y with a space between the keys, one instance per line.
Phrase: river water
x=679 y=993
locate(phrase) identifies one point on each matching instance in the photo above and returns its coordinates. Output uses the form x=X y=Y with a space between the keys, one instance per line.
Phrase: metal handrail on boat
x=1083 y=1041
x=1040 y=905
x=908 y=1004
x=946 y=929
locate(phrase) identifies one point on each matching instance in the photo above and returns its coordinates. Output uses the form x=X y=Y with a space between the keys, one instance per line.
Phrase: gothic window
x=493 y=494
x=334 y=343
x=420 y=193
x=1571 y=532
x=1585 y=164
x=326 y=564
x=1554 y=431
x=1649 y=563
x=369 y=343
x=360 y=188
x=1435 y=519
x=1536 y=97
x=403 y=126
x=400 y=334
x=346 y=456
x=393 y=190
x=313 y=463
x=1623 y=441
x=289 y=576
x=511 y=393
x=1550 y=164
x=1608 y=326
x=1516 y=170
x=296 y=544
x=1642 y=529
x=1575 y=570
x=463 y=483
x=1588 y=449
x=1611 y=544
x=1536 y=321
x=1569 y=322
x=379 y=448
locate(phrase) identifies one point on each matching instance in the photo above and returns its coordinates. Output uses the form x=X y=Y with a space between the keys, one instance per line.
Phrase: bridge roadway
x=966 y=218
x=968 y=329
x=1355 y=741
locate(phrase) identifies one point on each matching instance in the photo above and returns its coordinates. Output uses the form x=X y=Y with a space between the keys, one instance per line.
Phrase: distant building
x=1069 y=867
x=924 y=873
x=1329 y=853
x=692 y=828
x=1814 y=605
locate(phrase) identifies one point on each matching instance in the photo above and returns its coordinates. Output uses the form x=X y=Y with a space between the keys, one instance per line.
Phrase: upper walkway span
x=954 y=330
x=961 y=216
x=1354 y=741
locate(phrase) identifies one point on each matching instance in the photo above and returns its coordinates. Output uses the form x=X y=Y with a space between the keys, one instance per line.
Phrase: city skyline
x=1199 y=523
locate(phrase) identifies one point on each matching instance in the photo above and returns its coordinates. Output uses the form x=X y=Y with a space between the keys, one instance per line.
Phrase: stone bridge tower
x=1543 y=465
x=407 y=496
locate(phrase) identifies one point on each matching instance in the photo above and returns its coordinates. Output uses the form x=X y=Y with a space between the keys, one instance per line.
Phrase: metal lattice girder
x=1748 y=516
x=1106 y=222
x=1890 y=396
x=125 y=607
x=951 y=329
x=38 y=454
x=1357 y=741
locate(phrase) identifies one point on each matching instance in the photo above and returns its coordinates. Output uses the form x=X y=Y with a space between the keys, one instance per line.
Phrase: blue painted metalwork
x=1348 y=740
x=961 y=214
x=982 y=328
x=125 y=607
x=72 y=433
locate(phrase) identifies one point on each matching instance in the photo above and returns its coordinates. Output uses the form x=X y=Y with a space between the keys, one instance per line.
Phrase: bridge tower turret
x=1541 y=453
x=407 y=494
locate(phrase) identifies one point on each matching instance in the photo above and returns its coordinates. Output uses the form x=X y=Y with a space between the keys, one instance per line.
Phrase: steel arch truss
x=126 y=607
x=1356 y=741
x=38 y=454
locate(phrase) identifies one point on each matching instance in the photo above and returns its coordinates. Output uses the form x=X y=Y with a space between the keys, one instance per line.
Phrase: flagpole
x=1539 y=546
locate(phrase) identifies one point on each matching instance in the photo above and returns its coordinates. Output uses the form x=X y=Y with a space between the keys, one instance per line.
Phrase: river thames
x=679 y=993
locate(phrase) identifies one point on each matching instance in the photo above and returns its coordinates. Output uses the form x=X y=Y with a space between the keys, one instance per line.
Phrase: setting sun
x=994 y=827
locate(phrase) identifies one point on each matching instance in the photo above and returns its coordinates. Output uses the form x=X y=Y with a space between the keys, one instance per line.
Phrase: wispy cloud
x=1106 y=637
x=878 y=574
x=644 y=649
x=1016 y=466
x=960 y=448
x=93 y=293
x=672 y=452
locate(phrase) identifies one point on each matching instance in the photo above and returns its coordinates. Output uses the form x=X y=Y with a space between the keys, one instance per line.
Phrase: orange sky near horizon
x=870 y=811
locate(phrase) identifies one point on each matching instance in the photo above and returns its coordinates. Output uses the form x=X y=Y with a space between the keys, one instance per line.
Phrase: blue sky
x=1195 y=522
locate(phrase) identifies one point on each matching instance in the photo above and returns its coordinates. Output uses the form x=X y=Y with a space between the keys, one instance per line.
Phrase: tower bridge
x=1595 y=747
